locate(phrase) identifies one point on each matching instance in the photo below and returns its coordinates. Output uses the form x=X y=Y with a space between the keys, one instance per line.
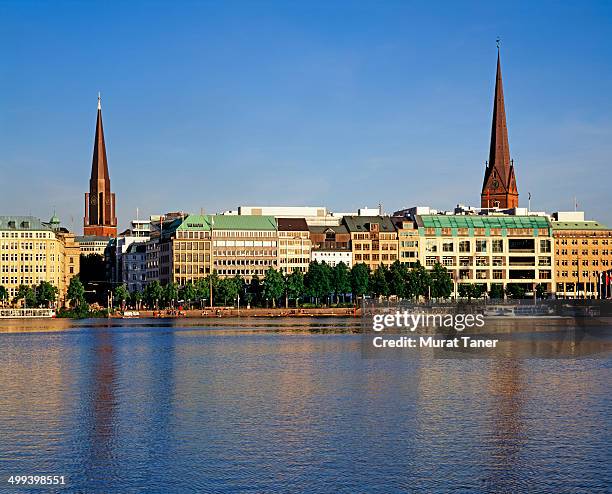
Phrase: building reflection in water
x=102 y=407
x=506 y=398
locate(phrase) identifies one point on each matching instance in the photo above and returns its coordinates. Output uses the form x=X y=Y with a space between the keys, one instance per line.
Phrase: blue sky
x=216 y=104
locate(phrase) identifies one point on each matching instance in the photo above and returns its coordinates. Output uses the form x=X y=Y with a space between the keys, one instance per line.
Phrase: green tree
x=136 y=299
x=202 y=290
x=541 y=290
x=170 y=294
x=46 y=294
x=255 y=291
x=317 y=281
x=360 y=278
x=121 y=294
x=187 y=293
x=76 y=292
x=153 y=293
x=397 y=279
x=440 y=281
x=213 y=280
x=418 y=281
x=378 y=282
x=497 y=291
x=295 y=285
x=472 y=290
x=515 y=290
x=4 y=295
x=340 y=280
x=273 y=285
x=27 y=294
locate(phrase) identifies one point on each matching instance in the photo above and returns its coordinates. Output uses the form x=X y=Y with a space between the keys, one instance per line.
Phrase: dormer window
x=25 y=224
x=11 y=224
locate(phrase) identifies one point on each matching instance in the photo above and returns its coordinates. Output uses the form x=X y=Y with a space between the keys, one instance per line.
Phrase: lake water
x=262 y=405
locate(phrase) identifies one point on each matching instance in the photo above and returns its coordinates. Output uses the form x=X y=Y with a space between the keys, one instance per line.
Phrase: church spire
x=99 y=201
x=499 y=186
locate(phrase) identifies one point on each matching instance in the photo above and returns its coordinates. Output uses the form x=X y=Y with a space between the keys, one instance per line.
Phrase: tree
x=187 y=293
x=170 y=293
x=273 y=285
x=497 y=291
x=240 y=285
x=515 y=290
x=294 y=284
x=4 y=294
x=46 y=293
x=440 y=281
x=255 y=291
x=213 y=280
x=153 y=293
x=378 y=282
x=472 y=290
x=202 y=290
x=135 y=299
x=317 y=281
x=340 y=280
x=121 y=294
x=397 y=277
x=360 y=277
x=541 y=290
x=418 y=281
x=76 y=292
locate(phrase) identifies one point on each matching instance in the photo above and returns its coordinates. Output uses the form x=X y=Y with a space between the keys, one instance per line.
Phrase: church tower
x=99 y=217
x=499 y=185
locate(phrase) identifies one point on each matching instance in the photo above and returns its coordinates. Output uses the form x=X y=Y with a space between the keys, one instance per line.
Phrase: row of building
x=563 y=252
x=568 y=255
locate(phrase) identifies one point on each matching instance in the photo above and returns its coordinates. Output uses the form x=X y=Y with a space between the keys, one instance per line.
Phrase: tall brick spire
x=99 y=201
x=499 y=185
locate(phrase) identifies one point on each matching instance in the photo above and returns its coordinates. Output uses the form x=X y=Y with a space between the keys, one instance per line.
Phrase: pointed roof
x=99 y=165
x=499 y=152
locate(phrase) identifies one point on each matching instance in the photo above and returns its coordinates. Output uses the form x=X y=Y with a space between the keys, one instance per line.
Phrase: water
x=290 y=406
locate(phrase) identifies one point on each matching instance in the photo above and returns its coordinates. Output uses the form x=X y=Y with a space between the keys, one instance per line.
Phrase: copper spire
x=499 y=186
x=99 y=165
x=99 y=201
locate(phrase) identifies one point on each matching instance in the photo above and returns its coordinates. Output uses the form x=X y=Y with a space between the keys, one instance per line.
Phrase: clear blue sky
x=344 y=104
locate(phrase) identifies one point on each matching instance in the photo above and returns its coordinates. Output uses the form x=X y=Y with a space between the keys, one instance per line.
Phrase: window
x=497 y=246
x=545 y=246
x=481 y=245
x=464 y=246
x=447 y=247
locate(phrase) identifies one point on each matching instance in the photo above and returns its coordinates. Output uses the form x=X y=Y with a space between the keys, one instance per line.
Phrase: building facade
x=293 y=245
x=373 y=240
x=489 y=249
x=32 y=251
x=583 y=252
x=134 y=267
x=408 y=241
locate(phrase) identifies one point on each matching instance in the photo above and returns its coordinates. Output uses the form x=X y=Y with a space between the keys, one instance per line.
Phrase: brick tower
x=99 y=217
x=499 y=185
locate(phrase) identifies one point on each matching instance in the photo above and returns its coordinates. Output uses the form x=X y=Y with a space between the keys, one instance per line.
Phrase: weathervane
x=497 y=41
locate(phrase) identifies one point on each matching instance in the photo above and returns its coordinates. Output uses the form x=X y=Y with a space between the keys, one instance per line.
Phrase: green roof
x=459 y=221
x=196 y=222
x=228 y=222
x=22 y=223
x=243 y=222
x=578 y=225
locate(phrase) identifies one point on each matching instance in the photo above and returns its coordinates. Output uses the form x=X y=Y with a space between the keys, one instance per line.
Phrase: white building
x=332 y=256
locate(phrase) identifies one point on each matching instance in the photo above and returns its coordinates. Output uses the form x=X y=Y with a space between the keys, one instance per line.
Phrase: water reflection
x=289 y=405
